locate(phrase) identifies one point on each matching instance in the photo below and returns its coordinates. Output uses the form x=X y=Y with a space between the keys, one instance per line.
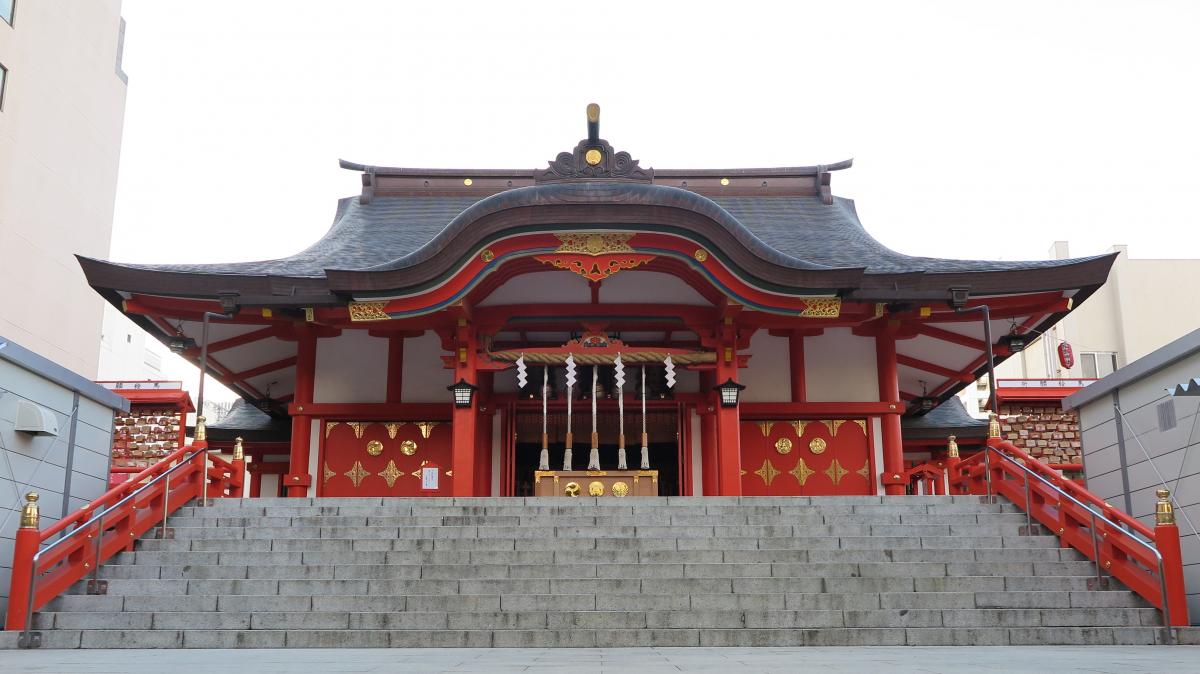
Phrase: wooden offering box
x=606 y=483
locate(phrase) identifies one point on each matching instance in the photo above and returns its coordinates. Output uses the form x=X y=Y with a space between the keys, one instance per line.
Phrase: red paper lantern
x=1066 y=355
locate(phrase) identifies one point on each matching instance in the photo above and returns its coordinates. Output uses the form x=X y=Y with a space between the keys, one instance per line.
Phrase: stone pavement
x=899 y=660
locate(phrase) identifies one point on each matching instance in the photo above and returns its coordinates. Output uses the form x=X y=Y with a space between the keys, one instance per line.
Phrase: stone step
x=607 y=638
x=621 y=586
x=833 y=555
x=600 y=602
x=922 y=569
x=598 y=619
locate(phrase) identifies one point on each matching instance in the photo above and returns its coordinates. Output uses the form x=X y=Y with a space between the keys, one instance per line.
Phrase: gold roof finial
x=238 y=452
x=30 y=519
x=593 y=122
x=1164 y=512
x=952 y=446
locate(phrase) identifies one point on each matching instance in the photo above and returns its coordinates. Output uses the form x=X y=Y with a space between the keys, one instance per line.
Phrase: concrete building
x=62 y=104
x=1153 y=439
x=1133 y=314
x=127 y=352
x=55 y=439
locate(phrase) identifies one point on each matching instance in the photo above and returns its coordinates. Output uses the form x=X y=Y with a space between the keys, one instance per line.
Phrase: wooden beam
x=952 y=337
x=247 y=338
x=265 y=368
x=909 y=361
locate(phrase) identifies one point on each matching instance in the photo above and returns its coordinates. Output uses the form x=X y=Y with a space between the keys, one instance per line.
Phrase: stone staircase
x=583 y=572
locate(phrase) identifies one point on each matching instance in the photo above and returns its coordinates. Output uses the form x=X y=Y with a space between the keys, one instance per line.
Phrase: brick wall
x=1043 y=430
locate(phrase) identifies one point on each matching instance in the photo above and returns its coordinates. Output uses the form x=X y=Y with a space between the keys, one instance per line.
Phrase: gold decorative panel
x=393 y=428
x=783 y=445
x=356 y=473
x=822 y=307
x=327 y=474
x=828 y=424
x=767 y=472
x=426 y=428
x=865 y=471
x=802 y=472
x=368 y=311
x=765 y=427
x=836 y=472
x=358 y=427
x=837 y=425
x=862 y=423
x=329 y=427
x=799 y=426
x=390 y=474
x=594 y=243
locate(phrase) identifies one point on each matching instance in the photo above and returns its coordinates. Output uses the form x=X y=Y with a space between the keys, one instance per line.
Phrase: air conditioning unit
x=35 y=419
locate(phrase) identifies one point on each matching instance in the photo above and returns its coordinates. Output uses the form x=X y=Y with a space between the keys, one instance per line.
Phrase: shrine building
x=595 y=326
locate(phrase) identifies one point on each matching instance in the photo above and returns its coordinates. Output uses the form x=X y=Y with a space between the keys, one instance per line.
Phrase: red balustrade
x=1146 y=560
x=48 y=562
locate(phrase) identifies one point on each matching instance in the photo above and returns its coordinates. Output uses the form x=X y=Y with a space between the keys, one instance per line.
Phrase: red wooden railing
x=48 y=562
x=1146 y=560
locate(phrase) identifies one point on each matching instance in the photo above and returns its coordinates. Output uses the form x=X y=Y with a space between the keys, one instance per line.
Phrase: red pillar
x=889 y=392
x=483 y=437
x=255 y=479
x=298 y=479
x=796 y=365
x=28 y=539
x=729 y=451
x=462 y=428
x=395 y=368
x=1166 y=539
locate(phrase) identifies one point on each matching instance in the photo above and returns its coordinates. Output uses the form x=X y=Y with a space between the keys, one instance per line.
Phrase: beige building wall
x=60 y=140
x=1144 y=305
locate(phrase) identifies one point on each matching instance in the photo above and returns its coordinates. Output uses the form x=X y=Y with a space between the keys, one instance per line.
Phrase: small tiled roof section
x=250 y=423
x=949 y=418
x=386 y=230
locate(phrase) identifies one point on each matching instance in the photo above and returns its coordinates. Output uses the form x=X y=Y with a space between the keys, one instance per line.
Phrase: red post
x=462 y=451
x=1166 y=539
x=708 y=436
x=483 y=437
x=796 y=365
x=889 y=392
x=298 y=478
x=28 y=539
x=729 y=450
x=395 y=368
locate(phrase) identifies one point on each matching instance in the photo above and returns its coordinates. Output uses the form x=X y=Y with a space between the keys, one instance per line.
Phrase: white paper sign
x=429 y=478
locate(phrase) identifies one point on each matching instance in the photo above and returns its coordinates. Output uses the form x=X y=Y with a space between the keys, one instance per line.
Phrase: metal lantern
x=463 y=391
x=179 y=344
x=730 y=391
x=1015 y=343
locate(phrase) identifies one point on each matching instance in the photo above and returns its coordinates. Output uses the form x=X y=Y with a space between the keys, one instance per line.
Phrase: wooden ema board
x=604 y=483
x=383 y=458
x=805 y=458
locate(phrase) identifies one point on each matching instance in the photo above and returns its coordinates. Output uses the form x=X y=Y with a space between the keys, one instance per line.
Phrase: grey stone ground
x=903 y=660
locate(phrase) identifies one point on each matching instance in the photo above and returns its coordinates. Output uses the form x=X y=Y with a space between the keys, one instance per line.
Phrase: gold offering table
x=618 y=483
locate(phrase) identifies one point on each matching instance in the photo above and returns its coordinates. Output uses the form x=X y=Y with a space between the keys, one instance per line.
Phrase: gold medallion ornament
x=836 y=472
x=596 y=488
x=801 y=472
x=818 y=445
x=356 y=473
x=408 y=447
x=572 y=489
x=767 y=472
x=593 y=157
x=487 y=255
x=620 y=489
x=701 y=255
x=390 y=474
x=783 y=445
x=374 y=448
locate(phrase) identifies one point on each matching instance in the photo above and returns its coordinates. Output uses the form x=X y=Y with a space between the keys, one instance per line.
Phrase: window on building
x=983 y=404
x=982 y=384
x=6 y=10
x=1097 y=364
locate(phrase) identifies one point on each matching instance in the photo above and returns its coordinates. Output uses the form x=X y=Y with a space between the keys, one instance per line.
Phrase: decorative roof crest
x=593 y=159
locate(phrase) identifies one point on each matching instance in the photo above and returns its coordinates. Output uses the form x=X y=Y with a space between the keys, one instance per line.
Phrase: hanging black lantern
x=729 y=391
x=1015 y=343
x=463 y=391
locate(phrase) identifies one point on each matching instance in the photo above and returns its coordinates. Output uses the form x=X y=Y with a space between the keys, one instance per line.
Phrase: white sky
x=979 y=130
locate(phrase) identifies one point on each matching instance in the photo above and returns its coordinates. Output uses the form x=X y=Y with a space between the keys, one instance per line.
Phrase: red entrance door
x=383 y=458
x=805 y=458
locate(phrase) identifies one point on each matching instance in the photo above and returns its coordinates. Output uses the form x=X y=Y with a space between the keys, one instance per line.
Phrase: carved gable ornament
x=593 y=159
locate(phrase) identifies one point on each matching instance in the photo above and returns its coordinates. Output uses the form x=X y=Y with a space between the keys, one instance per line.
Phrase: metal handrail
x=1162 y=577
x=99 y=517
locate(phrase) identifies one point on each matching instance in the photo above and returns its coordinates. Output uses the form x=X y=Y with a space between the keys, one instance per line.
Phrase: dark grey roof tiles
x=949 y=418
x=803 y=228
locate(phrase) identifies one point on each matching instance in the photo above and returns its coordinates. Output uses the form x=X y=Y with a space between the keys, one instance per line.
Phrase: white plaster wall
x=840 y=367
x=314 y=450
x=648 y=287
x=269 y=486
x=768 y=378
x=877 y=450
x=551 y=287
x=352 y=368
x=497 y=438
x=425 y=379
